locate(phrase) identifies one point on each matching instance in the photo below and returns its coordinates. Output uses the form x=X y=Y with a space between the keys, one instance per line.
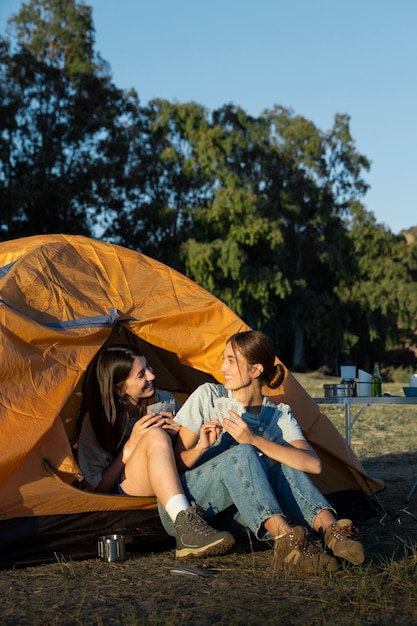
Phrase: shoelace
x=342 y=533
x=199 y=524
x=305 y=544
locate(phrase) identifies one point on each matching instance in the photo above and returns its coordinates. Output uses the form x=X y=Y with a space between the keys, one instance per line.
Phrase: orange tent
x=61 y=298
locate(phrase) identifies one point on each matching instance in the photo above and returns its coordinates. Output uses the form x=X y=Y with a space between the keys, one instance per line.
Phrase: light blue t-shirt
x=274 y=423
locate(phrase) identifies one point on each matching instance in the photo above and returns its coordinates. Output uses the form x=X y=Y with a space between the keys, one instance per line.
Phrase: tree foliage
x=62 y=123
x=265 y=212
x=379 y=299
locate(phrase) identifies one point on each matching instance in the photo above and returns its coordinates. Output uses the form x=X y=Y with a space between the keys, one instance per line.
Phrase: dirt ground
x=239 y=588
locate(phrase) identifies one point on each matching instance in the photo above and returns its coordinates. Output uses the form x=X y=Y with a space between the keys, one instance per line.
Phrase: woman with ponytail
x=236 y=447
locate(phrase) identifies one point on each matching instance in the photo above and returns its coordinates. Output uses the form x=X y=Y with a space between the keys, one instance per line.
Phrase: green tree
x=318 y=180
x=271 y=239
x=235 y=249
x=265 y=212
x=163 y=181
x=63 y=123
x=379 y=300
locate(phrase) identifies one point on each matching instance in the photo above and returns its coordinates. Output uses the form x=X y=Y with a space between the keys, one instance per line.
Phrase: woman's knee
x=156 y=434
x=155 y=438
x=244 y=453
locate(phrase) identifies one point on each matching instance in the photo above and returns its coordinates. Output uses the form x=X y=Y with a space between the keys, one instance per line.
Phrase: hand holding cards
x=223 y=405
x=166 y=405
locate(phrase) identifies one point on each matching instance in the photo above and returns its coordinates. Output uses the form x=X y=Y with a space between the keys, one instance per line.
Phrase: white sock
x=175 y=505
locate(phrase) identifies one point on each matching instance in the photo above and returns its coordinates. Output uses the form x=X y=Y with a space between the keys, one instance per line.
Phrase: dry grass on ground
x=240 y=587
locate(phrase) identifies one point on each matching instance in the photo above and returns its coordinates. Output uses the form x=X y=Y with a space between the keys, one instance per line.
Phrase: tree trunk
x=298 y=357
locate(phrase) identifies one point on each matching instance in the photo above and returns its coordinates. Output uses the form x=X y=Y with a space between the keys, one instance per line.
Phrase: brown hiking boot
x=297 y=551
x=341 y=539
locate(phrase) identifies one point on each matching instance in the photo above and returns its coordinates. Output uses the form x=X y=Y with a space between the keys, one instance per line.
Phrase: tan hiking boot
x=341 y=539
x=297 y=551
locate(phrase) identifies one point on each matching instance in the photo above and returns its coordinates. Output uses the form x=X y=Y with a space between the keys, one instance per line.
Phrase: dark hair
x=257 y=347
x=107 y=409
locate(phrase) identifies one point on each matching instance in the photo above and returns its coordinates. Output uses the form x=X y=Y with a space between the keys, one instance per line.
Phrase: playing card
x=222 y=405
x=166 y=405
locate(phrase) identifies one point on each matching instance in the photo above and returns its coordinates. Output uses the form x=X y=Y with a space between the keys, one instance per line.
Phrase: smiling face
x=140 y=382
x=238 y=374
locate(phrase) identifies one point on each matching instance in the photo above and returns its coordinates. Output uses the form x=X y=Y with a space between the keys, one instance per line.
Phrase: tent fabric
x=62 y=297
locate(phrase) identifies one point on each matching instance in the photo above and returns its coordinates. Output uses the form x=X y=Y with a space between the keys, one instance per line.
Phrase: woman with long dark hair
x=126 y=444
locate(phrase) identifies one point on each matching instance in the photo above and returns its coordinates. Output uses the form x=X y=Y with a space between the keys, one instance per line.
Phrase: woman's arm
x=111 y=475
x=189 y=447
x=298 y=454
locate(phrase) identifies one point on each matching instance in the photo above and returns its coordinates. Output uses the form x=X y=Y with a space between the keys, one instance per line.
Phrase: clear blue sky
x=318 y=57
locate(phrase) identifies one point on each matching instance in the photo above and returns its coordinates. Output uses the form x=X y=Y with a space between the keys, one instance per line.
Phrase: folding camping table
x=365 y=401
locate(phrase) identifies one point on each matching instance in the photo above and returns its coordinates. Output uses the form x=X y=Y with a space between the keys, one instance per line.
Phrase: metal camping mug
x=111 y=548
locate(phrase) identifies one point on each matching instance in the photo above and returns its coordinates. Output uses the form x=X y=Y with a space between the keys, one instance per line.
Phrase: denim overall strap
x=266 y=416
x=266 y=413
x=222 y=391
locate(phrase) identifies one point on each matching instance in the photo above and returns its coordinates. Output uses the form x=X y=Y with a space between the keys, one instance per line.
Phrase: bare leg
x=151 y=469
x=277 y=526
x=323 y=520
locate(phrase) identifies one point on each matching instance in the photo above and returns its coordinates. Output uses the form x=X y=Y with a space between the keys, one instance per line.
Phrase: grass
x=242 y=588
x=380 y=430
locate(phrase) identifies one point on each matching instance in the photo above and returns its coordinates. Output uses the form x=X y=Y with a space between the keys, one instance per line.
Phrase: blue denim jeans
x=238 y=476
